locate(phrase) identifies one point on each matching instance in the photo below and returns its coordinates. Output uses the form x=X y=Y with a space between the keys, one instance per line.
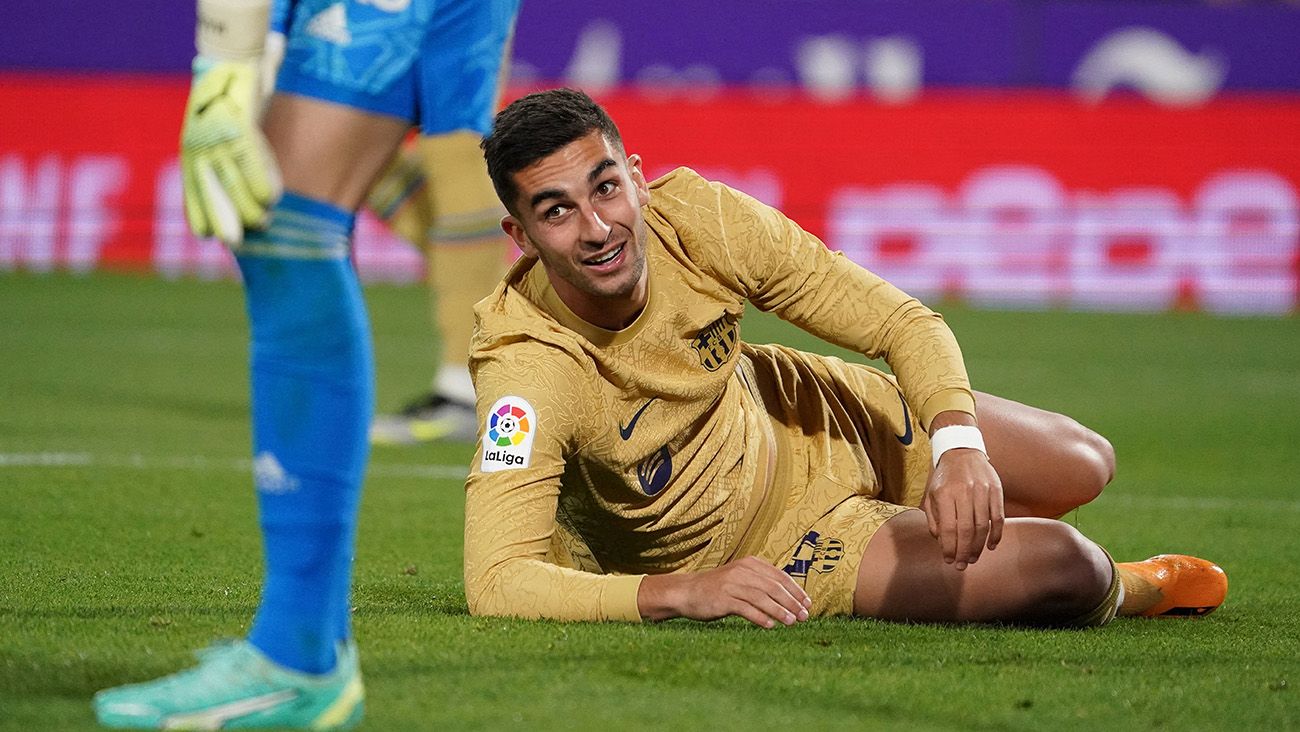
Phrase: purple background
x=995 y=43
x=966 y=42
x=118 y=35
x=1261 y=43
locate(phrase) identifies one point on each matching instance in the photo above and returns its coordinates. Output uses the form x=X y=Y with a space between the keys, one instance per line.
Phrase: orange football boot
x=1172 y=585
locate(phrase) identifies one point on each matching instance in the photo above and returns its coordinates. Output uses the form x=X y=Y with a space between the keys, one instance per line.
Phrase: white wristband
x=953 y=437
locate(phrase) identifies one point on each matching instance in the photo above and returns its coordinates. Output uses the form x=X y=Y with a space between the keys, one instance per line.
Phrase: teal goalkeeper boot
x=236 y=687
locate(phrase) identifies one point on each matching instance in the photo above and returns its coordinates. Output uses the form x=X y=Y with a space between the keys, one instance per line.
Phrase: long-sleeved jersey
x=652 y=445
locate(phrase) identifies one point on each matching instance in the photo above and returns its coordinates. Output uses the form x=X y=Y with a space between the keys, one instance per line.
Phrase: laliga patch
x=508 y=435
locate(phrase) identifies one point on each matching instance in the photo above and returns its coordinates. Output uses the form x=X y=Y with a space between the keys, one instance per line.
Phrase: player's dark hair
x=535 y=126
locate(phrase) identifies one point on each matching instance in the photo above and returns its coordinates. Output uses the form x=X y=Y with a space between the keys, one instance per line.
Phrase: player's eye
x=553 y=212
x=606 y=188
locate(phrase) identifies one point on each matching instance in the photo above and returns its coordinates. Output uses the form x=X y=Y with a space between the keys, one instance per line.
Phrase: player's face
x=579 y=212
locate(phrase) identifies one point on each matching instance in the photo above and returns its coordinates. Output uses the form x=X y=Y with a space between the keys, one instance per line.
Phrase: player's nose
x=595 y=231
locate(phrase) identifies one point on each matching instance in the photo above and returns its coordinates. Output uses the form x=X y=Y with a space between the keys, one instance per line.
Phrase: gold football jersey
x=605 y=455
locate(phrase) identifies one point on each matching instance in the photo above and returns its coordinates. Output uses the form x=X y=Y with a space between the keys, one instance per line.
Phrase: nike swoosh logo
x=215 y=717
x=626 y=432
x=906 y=437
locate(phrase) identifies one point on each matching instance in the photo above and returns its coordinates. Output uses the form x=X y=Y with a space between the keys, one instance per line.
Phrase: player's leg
x=1043 y=573
x=328 y=151
x=467 y=257
x=312 y=396
x=312 y=372
x=398 y=197
x=449 y=200
x=460 y=85
x=1049 y=463
x=344 y=100
x=312 y=392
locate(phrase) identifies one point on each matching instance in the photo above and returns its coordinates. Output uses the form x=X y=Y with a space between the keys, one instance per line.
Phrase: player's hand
x=963 y=505
x=229 y=176
x=749 y=587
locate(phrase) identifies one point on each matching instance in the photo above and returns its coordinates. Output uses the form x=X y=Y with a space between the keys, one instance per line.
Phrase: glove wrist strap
x=232 y=30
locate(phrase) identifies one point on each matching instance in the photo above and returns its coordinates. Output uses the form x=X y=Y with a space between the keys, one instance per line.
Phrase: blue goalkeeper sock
x=313 y=396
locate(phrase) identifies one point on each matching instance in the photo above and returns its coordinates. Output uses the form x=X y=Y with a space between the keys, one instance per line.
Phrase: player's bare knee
x=1099 y=455
x=1092 y=458
x=1070 y=574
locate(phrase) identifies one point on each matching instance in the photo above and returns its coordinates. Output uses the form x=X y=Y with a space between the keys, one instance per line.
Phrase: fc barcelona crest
x=715 y=343
x=827 y=554
x=816 y=553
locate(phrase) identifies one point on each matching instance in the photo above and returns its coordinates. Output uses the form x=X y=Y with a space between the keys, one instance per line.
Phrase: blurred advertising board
x=1176 y=52
x=1014 y=198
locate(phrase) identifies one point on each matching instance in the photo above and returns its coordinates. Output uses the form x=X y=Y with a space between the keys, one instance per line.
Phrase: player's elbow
x=488 y=595
x=480 y=591
x=480 y=608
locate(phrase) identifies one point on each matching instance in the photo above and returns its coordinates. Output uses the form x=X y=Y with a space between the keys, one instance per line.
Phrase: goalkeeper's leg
x=312 y=392
x=312 y=372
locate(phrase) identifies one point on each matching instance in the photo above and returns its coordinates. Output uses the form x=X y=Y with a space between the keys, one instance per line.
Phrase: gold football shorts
x=851 y=455
x=825 y=562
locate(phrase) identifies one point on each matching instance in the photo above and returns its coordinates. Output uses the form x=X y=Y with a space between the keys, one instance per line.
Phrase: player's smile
x=604 y=261
x=579 y=212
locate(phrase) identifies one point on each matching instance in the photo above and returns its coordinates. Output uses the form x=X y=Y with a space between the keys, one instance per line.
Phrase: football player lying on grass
x=638 y=460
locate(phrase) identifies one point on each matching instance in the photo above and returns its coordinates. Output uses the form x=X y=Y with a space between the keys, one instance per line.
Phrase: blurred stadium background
x=1020 y=161
x=1130 y=155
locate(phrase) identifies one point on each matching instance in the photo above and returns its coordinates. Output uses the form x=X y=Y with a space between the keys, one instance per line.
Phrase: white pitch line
x=458 y=472
x=201 y=463
x=1201 y=503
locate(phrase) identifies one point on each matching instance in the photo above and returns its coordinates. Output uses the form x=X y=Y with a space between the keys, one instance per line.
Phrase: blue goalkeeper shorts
x=435 y=63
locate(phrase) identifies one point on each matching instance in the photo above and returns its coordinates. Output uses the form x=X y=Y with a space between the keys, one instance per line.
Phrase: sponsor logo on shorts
x=815 y=554
x=508 y=435
x=655 y=471
x=715 y=343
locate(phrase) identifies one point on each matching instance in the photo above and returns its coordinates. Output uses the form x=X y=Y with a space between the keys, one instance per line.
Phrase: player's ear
x=515 y=230
x=638 y=179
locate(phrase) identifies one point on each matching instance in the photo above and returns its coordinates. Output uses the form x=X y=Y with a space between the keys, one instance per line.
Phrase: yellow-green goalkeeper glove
x=229 y=176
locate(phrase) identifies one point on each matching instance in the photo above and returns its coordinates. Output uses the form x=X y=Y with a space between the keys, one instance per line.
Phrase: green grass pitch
x=127 y=538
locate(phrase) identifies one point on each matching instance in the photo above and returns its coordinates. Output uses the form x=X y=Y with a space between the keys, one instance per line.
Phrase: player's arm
x=784 y=269
x=963 y=501
x=510 y=528
x=512 y=493
x=518 y=560
x=228 y=173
